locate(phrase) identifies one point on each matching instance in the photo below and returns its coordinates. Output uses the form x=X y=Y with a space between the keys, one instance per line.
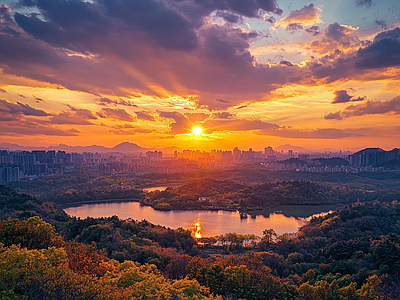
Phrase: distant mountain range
x=288 y=147
x=125 y=147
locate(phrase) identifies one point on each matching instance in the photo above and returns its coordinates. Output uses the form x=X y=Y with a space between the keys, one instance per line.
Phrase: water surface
x=212 y=222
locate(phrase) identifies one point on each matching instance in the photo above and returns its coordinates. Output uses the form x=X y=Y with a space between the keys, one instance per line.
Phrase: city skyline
x=320 y=74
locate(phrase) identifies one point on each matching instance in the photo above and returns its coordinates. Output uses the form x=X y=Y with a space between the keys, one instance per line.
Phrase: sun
x=197 y=130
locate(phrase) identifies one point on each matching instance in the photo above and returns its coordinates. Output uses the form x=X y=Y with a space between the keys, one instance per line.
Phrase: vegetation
x=78 y=186
x=353 y=253
x=84 y=185
x=208 y=193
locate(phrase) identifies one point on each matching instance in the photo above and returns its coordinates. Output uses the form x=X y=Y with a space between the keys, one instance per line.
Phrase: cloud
x=368 y=59
x=92 y=46
x=3 y=90
x=37 y=99
x=23 y=128
x=335 y=37
x=314 y=30
x=223 y=115
x=382 y=53
x=236 y=125
x=391 y=106
x=342 y=97
x=22 y=96
x=82 y=113
x=66 y=117
x=19 y=109
x=366 y=3
x=333 y=116
x=228 y=16
x=320 y=133
x=180 y=125
x=373 y=108
x=106 y=101
x=144 y=115
x=382 y=23
x=306 y=16
x=259 y=127
x=117 y=113
x=294 y=27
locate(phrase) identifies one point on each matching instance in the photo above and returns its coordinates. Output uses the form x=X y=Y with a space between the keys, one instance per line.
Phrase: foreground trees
x=352 y=254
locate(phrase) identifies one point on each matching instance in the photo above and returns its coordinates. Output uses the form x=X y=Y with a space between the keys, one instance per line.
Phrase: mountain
x=128 y=147
x=287 y=147
x=79 y=149
x=125 y=147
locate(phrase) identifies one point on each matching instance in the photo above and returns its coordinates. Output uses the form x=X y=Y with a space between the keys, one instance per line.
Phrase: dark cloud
x=117 y=113
x=37 y=100
x=366 y=3
x=144 y=115
x=22 y=96
x=382 y=23
x=67 y=117
x=382 y=53
x=228 y=16
x=19 y=109
x=82 y=113
x=154 y=47
x=32 y=129
x=314 y=30
x=222 y=100
x=342 y=96
x=373 y=107
x=169 y=23
x=294 y=27
x=30 y=111
x=333 y=116
x=391 y=106
x=106 y=101
x=286 y=63
x=270 y=19
x=223 y=115
x=334 y=38
x=3 y=90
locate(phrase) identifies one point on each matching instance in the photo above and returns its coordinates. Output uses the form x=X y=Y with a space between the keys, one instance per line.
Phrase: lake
x=283 y=218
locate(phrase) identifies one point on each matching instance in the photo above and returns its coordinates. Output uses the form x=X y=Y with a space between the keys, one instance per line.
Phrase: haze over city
x=257 y=73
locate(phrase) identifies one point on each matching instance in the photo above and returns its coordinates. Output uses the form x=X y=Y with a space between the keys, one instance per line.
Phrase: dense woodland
x=353 y=253
x=247 y=187
x=228 y=194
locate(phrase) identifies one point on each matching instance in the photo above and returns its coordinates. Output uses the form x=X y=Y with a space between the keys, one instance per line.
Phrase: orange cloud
x=306 y=16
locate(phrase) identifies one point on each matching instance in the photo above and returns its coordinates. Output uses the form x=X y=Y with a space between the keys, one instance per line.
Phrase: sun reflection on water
x=197 y=230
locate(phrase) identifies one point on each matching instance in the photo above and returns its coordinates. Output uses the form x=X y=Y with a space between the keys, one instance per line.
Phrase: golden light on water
x=197 y=130
x=197 y=230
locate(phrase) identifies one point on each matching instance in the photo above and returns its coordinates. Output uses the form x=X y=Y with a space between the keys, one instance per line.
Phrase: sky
x=249 y=73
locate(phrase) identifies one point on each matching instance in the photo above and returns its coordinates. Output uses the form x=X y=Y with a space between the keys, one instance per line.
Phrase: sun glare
x=197 y=130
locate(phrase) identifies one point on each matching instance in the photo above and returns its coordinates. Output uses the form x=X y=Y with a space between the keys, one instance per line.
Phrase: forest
x=246 y=187
x=208 y=193
x=353 y=253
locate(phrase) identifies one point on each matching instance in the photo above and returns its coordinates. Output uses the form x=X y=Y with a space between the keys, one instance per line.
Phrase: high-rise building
x=236 y=154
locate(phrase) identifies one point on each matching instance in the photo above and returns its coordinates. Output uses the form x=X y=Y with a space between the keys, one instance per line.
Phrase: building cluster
x=374 y=156
x=24 y=165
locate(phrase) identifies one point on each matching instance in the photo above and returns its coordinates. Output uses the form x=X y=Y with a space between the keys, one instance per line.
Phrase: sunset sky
x=249 y=73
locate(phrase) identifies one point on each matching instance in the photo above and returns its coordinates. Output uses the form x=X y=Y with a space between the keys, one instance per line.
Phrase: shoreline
x=66 y=205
